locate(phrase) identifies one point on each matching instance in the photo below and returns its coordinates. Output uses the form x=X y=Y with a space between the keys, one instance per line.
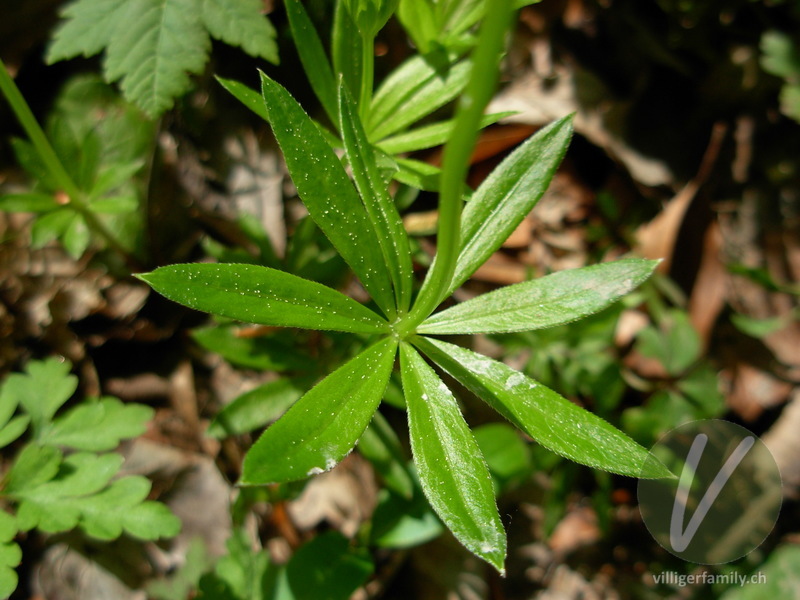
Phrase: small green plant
x=363 y=224
x=82 y=168
x=64 y=476
x=153 y=45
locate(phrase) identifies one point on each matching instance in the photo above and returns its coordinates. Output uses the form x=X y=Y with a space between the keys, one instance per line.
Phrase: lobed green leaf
x=98 y=425
x=322 y=427
x=41 y=391
x=551 y=420
x=327 y=192
x=241 y=23
x=256 y=294
x=452 y=471
x=551 y=300
x=380 y=207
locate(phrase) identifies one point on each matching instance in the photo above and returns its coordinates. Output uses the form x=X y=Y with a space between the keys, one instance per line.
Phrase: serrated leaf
x=551 y=420
x=322 y=427
x=42 y=390
x=258 y=407
x=552 y=300
x=327 y=192
x=88 y=28
x=316 y=65
x=241 y=23
x=451 y=469
x=380 y=207
x=30 y=202
x=256 y=294
x=412 y=91
x=155 y=44
x=429 y=136
x=99 y=425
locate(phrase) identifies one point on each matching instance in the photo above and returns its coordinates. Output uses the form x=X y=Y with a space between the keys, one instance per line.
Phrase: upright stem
x=54 y=165
x=367 y=76
x=455 y=162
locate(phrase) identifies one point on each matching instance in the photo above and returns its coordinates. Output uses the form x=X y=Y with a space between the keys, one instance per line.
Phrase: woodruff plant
x=362 y=222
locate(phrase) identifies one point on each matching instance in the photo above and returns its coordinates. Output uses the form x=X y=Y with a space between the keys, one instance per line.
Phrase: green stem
x=367 y=75
x=54 y=165
x=455 y=162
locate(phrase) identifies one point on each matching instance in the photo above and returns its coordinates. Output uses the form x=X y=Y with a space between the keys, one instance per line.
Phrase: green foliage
x=83 y=166
x=57 y=482
x=781 y=57
x=153 y=45
x=362 y=223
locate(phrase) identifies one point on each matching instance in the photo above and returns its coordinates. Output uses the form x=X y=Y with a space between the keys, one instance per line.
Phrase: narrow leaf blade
x=551 y=420
x=551 y=300
x=429 y=136
x=452 y=471
x=327 y=192
x=322 y=427
x=508 y=195
x=256 y=294
x=312 y=54
x=380 y=208
x=412 y=91
x=247 y=96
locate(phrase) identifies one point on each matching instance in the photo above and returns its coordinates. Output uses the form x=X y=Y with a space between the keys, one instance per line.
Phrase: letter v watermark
x=680 y=540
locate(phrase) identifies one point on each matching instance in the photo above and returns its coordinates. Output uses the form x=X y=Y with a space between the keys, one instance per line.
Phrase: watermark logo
x=725 y=498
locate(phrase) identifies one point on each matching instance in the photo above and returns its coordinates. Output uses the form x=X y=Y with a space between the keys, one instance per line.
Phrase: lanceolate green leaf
x=551 y=300
x=327 y=192
x=553 y=421
x=247 y=96
x=452 y=471
x=256 y=294
x=379 y=205
x=411 y=92
x=507 y=196
x=312 y=54
x=322 y=427
x=241 y=23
